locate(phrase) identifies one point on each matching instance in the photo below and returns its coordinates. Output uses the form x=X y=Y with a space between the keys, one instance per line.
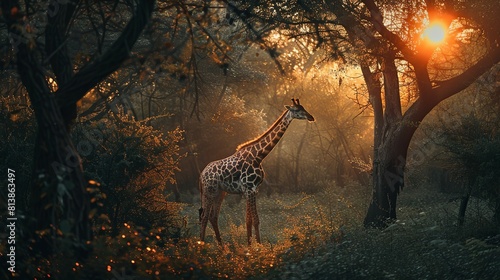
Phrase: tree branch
x=445 y=89
x=28 y=66
x=377 y=20
x=58 y=18
x=375 y=91
x=91 y=74
x=245 y=16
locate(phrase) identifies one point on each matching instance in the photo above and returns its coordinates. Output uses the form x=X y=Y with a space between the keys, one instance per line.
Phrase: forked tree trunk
x=389 y=155
x=392 y=135
x=60 y=204
x=388 y=180
x=389 y=164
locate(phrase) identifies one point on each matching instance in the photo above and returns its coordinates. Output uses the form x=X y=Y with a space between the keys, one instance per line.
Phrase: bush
x=134 y=163
x=17 y=127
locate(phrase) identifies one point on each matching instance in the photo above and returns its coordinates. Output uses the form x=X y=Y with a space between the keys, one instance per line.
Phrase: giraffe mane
x=257 y=139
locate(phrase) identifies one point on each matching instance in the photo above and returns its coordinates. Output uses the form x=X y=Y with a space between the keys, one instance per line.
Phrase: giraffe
x=242 y=173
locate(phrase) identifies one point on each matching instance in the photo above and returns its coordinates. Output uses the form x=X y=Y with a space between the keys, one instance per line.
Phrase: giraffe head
x=298 y=112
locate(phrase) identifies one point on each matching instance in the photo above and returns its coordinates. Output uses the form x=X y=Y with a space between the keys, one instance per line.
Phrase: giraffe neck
x=261 y=146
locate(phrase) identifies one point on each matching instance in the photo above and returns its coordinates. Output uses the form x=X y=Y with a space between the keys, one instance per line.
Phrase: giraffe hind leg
x=214 y=216
x=249 y=224
x=204 y=222
x=203 y=229
x=206 y=216
x=204 y=212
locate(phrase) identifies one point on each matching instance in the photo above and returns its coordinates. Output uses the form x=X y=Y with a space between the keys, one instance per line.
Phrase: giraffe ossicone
x=242 y=173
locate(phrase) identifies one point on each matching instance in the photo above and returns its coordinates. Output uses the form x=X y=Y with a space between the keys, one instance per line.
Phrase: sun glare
x=435 y=33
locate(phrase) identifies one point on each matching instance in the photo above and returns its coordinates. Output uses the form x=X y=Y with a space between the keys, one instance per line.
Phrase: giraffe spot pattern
x=242 y=173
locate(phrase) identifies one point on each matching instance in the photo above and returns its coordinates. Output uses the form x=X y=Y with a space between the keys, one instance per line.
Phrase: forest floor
x=304 y=236
x=320 y=236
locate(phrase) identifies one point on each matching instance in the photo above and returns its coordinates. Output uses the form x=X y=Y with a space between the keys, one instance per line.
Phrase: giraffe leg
x=204 y=221
x=207 y=202
x=252 y=203
x=249 y=223
x=252 y=218
x=214 y=216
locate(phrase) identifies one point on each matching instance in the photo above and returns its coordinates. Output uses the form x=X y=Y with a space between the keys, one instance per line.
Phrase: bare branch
x=377 y=20
x=445 y=89
x=91 y=74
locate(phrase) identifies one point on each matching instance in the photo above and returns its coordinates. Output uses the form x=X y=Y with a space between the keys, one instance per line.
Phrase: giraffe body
x=242 y=173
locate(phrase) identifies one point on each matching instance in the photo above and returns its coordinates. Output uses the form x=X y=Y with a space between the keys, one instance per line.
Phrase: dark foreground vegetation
x=305 y=236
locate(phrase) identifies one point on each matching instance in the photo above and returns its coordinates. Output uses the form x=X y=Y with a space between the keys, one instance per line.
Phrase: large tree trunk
x=59 y=201
x=388 y=164
x=388 y=180
x=392 y=135
x=60 y=204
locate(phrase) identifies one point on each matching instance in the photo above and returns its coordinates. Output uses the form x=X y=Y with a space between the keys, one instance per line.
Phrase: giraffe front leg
x=255 y=216
x=252 y=217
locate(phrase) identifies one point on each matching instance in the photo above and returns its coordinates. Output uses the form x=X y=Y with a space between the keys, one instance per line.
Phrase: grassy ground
x=304 y=236
x=423 y=244
x=321 y=237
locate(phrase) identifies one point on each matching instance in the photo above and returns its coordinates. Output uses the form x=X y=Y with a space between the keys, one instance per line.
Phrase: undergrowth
x=304 y=237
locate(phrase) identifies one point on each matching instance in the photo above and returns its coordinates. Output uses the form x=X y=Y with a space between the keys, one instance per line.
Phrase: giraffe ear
x=288 y=107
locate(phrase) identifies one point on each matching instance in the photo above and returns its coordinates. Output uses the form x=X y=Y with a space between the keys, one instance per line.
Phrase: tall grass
x=304 y=236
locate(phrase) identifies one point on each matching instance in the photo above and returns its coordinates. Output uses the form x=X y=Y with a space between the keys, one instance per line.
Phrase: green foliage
x=473 y=145
x=306 y=236
x=17 y=128
x=134 y=164
x=423 y=244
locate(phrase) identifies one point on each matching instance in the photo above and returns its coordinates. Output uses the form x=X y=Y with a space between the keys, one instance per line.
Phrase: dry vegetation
x=306 y=236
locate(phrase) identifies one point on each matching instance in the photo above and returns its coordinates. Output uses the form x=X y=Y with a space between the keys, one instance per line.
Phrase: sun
x=435 y=33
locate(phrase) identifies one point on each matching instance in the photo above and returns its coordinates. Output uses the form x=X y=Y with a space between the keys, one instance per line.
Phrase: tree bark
x=392 y=136
x=59 y=200
x=388 y=166
x=393 y=132
x=496 y=215
x=60 y=203
x=464 y=202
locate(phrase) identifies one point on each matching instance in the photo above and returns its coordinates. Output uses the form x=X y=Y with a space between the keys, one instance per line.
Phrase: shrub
x=134 y=163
